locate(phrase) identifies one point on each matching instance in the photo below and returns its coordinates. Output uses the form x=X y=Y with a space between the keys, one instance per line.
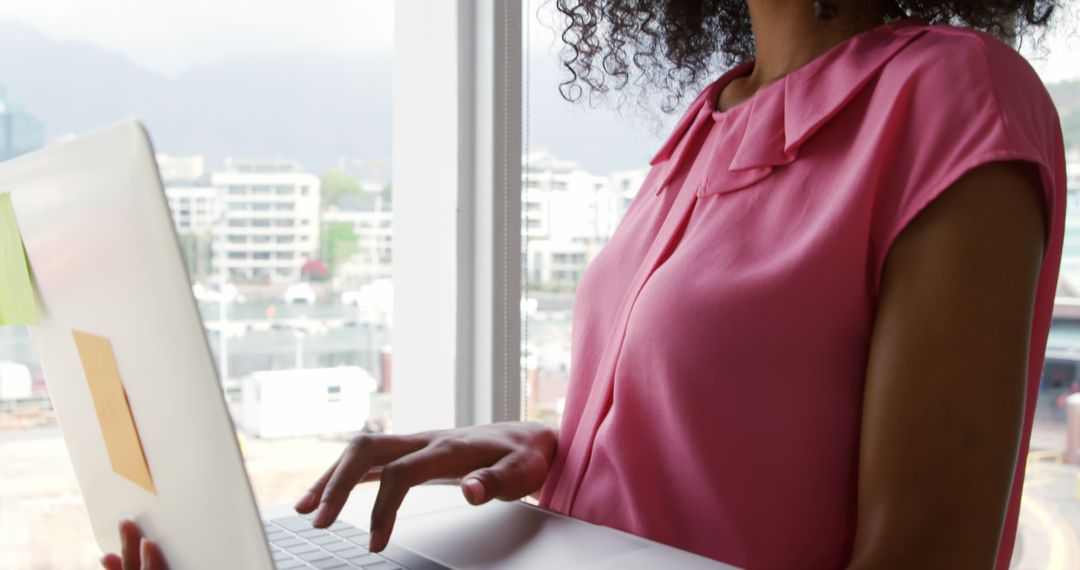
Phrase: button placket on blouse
x=600 y=395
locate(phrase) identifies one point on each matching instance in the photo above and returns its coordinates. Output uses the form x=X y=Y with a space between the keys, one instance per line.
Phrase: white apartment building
x=1072 y=169
x=568 y=214
x=181 y=170
x=624 y=187
x=269 y=224
x=192 y=201
x=372 y=220
x=1070 y=255
x=194 y=208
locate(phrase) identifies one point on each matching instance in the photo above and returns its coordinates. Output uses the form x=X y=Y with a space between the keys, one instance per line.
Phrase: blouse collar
x=783 y=115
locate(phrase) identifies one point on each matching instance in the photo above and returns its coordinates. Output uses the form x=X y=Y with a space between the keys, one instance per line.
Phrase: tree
x=197 y=252
x=337 y=243
x=336 y=184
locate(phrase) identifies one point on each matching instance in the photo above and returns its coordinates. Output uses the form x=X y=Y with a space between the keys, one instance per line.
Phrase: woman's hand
x=504 y=461
x=137 y=553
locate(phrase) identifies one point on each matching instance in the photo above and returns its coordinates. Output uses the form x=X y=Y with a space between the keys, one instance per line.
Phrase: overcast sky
x=171 y=36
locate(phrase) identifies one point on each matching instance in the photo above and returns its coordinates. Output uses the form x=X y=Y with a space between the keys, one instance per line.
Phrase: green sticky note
x=16 y=290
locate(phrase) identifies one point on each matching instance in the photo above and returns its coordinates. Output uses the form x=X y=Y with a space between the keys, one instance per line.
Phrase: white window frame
x=457 y=213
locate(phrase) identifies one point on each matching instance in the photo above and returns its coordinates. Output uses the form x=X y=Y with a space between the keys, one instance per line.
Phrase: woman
x=814 y=339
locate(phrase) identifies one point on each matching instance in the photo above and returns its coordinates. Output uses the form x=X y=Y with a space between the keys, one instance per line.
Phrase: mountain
x=319 y=110
x=312 y=108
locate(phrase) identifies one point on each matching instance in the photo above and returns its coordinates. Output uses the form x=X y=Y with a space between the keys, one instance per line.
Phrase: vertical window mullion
x=457 y=211
x=497 y=211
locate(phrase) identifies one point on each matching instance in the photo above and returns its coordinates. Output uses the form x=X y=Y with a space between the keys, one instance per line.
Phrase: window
x=231 y=154
x=607 y=153
x=591 y=150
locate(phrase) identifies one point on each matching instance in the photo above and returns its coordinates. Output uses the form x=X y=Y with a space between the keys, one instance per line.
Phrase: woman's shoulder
x=952 y=83
x=955 y=100
x=949 y=68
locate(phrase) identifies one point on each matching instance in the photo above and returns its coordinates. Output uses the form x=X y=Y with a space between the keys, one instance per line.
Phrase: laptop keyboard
x=294 y=543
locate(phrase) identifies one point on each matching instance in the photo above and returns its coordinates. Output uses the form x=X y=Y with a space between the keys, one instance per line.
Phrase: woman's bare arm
x=946 y=375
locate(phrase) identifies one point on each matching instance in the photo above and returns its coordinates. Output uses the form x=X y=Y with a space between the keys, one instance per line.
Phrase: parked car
x=300 y=293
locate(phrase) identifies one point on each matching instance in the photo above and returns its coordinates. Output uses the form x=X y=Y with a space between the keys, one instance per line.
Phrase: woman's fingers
x=364 y=453
x=130 y=537
x=112 y=562
x=511 y=478
x=137 y=553
x=152 y=558
x=310 y=500
x=439 y=460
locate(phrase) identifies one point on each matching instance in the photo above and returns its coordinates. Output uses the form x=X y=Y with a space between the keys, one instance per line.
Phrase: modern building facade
x=1070 y=255
x=568 y=214
x=182 y=170
x=194 y=207
x=371 y=218
x=269 y=224
x=20 y=132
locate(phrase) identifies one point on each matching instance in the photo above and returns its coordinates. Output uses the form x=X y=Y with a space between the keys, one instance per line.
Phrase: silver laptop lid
x=106 y=262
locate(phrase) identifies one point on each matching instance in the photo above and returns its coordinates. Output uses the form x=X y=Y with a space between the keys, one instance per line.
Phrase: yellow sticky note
x=16 y=291
x=113 y=411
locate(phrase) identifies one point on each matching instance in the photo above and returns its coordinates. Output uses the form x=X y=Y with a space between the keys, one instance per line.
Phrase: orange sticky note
x=113 y=411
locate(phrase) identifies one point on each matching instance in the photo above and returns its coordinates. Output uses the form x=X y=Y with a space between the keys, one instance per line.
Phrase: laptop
x=139 y=403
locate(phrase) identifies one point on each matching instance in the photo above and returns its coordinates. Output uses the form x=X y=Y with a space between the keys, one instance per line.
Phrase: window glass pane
x=583 y=166
x=245 y=144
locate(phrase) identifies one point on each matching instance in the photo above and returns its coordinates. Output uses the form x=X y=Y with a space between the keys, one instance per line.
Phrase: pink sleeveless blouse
x=720 y=339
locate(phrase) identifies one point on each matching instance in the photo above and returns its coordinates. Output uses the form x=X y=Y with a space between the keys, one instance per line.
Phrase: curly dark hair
x=668 y=47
